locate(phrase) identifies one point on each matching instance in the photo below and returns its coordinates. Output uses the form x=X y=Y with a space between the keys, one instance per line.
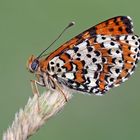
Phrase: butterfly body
x=92 y=62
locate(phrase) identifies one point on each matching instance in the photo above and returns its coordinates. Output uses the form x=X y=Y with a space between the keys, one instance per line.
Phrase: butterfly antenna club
x=68 y=26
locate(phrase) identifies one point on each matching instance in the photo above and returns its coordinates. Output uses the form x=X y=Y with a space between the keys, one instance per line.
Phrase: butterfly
x=92 y=62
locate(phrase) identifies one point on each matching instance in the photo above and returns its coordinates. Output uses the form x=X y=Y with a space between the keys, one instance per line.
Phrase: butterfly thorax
x=39 y=68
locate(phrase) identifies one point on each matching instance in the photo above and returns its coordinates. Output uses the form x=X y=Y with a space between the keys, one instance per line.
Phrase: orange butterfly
x=92 y=62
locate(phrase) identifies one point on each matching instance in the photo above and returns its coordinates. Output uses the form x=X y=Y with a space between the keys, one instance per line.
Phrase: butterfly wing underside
x=97 y=59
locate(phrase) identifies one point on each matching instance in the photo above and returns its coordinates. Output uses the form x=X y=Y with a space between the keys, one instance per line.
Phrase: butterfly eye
x=35 y=65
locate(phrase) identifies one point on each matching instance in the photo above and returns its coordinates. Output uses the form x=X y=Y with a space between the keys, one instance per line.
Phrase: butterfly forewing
x=114 y=26
x=97 y=59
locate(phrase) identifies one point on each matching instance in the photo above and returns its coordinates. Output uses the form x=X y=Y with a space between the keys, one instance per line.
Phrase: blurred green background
x=29 y=26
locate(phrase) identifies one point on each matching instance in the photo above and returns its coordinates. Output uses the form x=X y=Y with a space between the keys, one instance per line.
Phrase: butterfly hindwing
x=95 y=67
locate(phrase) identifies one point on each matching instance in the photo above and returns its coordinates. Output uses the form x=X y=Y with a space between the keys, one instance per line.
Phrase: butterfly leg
x=61 y=91
x=35 y=90
x=59 y=88
x=34 y=87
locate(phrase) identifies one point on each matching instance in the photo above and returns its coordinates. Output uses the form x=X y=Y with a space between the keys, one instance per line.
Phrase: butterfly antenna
x=69 y=25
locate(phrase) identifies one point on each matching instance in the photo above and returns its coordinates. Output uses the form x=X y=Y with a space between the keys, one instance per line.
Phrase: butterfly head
x=33 y=64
